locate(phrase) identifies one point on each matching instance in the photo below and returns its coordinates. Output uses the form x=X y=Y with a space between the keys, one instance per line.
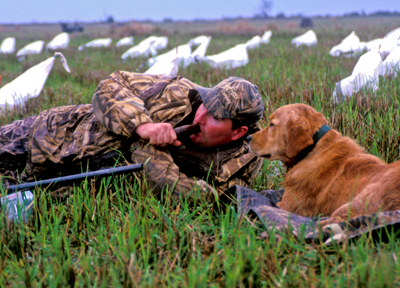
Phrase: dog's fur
x=337 y=178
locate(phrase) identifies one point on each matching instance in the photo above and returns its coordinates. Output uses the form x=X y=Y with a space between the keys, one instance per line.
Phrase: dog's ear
x=298 y=139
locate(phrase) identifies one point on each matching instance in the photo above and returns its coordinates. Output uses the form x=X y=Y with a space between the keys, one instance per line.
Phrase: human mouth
x=196 y=138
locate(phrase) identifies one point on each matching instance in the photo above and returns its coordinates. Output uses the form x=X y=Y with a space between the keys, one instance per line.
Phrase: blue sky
x=27 y=11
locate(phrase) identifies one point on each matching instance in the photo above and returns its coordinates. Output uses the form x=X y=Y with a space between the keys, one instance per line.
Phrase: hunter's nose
x=200 y=115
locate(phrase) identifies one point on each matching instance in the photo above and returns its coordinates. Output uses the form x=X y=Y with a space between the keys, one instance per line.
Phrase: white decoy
x=395 y=34
x=32 y=48
x=365 y=74
x=200 y=50
x=159 y=42
x=392 y=63
x=351 y=38
x=60 y=41
x=253 y=42
x=257 y=40
x=182 y=52
x=126 y=41
x=29 y=84
x=309 y=38
x=369 y=64
x=387 y=45
x=232 y=58
x=143 y=49
x=266 y=37
x=373 y=44
x=198 y=40
x=349 y=46
x=8 y=45
x=167 y=66
x=101 y=42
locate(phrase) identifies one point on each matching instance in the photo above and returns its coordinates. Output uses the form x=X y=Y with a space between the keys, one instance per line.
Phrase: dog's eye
x=271 y=124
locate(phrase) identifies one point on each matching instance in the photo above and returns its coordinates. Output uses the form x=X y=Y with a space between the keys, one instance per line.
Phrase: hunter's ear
x=239 y=132
x=298 y=139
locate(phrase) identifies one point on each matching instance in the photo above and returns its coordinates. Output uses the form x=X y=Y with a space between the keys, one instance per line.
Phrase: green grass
x=119 y=234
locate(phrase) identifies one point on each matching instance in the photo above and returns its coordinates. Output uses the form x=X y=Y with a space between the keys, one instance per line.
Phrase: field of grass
x=120 y=235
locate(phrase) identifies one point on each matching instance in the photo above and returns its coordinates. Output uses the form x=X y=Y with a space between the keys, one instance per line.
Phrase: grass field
x=120 y=235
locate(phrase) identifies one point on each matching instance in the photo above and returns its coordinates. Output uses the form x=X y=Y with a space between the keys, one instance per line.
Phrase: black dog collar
x=317 y=136
x=320 y=133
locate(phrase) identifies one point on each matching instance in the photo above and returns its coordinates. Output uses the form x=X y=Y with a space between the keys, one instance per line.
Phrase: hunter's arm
x=161 y=172
x=117 y=104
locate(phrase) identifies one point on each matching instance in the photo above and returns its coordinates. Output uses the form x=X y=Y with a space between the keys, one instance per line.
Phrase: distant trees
x=110 y=19
x=385 y=13
x=377 y=13
x=264 y=8
x=280 y=16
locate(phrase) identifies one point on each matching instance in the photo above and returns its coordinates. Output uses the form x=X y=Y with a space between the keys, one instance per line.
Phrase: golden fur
x=337 y=178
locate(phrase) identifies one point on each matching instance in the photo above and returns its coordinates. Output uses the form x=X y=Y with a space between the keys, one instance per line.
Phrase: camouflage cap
x=233 y=98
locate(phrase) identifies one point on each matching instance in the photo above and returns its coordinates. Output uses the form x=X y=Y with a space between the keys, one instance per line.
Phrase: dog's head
x=290 y=130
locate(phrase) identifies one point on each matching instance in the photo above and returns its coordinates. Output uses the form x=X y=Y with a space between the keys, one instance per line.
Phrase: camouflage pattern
x=222 y=100
x=66 y=139
x=14 y=146
x=377 y=227
x=124 y=100
x=72 y=139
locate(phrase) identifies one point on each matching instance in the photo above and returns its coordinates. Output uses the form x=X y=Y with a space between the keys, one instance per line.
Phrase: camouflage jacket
x=74 y=138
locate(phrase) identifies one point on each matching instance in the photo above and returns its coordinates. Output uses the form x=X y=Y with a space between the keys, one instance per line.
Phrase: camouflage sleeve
x=116 y=101
x=243 y=177
x=161 y=172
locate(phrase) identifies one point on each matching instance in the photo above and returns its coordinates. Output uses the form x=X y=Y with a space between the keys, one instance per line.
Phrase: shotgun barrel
x=77 y=177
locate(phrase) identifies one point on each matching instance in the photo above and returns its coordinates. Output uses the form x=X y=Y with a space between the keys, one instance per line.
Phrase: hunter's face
x=214 y=132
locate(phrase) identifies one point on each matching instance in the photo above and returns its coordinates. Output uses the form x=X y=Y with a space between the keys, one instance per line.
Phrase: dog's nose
x=248 y=138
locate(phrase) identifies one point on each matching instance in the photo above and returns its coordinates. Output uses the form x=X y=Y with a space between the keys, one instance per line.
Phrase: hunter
x=131 y=119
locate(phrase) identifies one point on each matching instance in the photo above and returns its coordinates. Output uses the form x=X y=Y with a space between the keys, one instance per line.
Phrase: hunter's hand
x=160 y=134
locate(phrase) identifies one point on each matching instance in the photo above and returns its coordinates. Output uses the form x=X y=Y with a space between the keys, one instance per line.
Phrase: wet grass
x=119 y=234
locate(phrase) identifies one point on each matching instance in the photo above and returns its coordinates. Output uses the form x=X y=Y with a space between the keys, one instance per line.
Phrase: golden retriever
x=327 y=174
